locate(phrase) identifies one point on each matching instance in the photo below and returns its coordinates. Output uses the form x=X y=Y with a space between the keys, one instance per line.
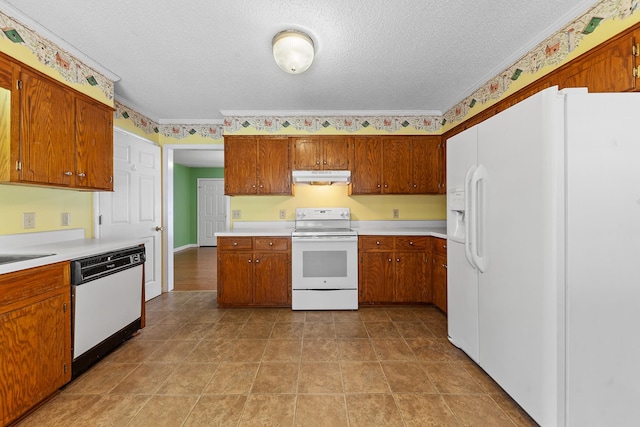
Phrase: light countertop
x=58 y=251
x=364 y=228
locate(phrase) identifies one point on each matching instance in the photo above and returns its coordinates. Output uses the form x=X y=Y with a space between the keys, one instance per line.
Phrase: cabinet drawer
x=25 y=284
x=234 y=243
x=271 y=243
x=417 y=243
x=373 y=243
x=440 y=245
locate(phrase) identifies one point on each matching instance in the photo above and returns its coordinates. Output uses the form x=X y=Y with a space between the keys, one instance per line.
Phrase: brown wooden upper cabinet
x=52 y=135
x=256 y=165
x=397 y=165
x=611 y=67
x=326 y=153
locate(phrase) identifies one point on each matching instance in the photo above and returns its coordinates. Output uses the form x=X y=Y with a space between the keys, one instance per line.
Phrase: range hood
x=321 y=177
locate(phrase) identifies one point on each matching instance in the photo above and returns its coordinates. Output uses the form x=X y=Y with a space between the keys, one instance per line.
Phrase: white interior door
x=211 y=210
x=133 y=209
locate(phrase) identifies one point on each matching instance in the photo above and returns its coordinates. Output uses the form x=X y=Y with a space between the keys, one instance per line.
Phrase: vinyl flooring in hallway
x=198 y=365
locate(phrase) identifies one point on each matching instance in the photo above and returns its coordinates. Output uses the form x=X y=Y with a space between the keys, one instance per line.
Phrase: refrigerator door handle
x=479 y=261
x=468 y=219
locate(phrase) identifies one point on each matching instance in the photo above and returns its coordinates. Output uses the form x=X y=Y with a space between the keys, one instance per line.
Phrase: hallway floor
x=198 y=365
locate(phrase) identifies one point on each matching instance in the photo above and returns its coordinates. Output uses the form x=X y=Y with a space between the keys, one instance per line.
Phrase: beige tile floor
x=198 y=365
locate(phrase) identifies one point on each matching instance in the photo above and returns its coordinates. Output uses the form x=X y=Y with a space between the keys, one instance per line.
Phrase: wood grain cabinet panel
x=254 y=271
x=256 y=165
x=48 y=133
x=366 y=173
x=439 y=273
x=52 y=135
x=393 y=269
x=94 y=146
x=605 y=69
x=320 y=153
x=35 y=337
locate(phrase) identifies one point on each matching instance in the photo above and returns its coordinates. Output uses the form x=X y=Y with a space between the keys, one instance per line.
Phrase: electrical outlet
x=283 y=214
x=65 y=219
x=236 y=214
x=396 y=213
x=28 y=220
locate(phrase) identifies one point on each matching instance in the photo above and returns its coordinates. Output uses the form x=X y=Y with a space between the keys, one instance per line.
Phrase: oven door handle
x=323 y=239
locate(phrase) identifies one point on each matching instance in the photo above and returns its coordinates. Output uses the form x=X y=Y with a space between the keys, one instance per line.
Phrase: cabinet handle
x=270 y=243
x=248 y=260
x=317 y=162
x=235 y=243
x=378 y=185
x=444 y=246
x=325 y=162
x=411 y=242
x=257 y=261
x=444 y=265
x=82 y=175
x=398 y=260
x=68 y=173
x=390 y=260
x=415 y=185
x=378 y=243
x=386 y=186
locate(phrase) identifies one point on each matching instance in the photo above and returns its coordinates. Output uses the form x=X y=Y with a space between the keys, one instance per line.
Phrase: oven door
x=323 y=263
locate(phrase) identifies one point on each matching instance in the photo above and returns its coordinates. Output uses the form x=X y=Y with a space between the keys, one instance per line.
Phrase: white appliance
x=106 y=294
x=543 y=211
x=324 y=260
x=328 y=177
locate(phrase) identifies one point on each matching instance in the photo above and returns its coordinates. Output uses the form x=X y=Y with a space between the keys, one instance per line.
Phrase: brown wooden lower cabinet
x=394 y=269
x=254 y=271
x=439 y=273
x=35 y=337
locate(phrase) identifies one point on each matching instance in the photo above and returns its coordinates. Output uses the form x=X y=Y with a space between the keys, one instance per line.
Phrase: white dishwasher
x=106 y=296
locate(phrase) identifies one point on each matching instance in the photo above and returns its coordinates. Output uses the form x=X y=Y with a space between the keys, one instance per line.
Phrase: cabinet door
x=427 y=165
x=439 y=281
x=274 y=168
x=235 y=278
x=366 y=174
x=376 y=277
x=396 y=165
x=34 y=354
x=271 y=278
x=94 y=145
x=307 y=153
x=9 y=120
x=48 y=131
x=240 y=165
x=410 y=276
x=335 y=153
x=607 y=69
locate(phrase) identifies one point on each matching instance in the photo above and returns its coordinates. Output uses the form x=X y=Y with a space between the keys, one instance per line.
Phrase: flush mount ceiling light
x=293 y=51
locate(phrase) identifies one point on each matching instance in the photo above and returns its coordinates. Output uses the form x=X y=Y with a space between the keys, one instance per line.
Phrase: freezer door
x=462 y=278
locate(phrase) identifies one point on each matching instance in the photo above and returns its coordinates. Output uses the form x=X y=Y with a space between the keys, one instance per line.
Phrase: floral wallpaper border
x=178 y=131
x=51 y=55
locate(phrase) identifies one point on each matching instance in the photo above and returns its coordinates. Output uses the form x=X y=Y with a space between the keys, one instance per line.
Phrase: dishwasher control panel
x=90 y=268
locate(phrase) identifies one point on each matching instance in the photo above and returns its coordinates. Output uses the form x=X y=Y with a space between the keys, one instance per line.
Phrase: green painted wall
x=185 y=202
x=181 y=206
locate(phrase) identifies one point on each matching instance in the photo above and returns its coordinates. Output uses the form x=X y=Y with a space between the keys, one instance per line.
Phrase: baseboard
x=182 y=248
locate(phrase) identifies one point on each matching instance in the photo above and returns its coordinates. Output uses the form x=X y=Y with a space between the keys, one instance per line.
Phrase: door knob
x=159 y=229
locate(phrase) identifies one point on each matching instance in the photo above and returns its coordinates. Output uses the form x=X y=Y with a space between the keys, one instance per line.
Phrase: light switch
x=28 y=220
x=65 y=219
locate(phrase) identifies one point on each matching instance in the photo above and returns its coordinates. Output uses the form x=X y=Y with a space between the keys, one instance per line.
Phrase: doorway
x=168 y=152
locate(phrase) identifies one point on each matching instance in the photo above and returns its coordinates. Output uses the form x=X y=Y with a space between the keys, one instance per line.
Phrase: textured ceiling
x=189 y=61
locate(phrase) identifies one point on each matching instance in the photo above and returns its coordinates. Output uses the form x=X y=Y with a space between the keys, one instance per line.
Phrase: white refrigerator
x=543 y=224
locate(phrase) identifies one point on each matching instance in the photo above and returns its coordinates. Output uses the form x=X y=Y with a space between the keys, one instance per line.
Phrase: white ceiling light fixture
x=293 y=51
